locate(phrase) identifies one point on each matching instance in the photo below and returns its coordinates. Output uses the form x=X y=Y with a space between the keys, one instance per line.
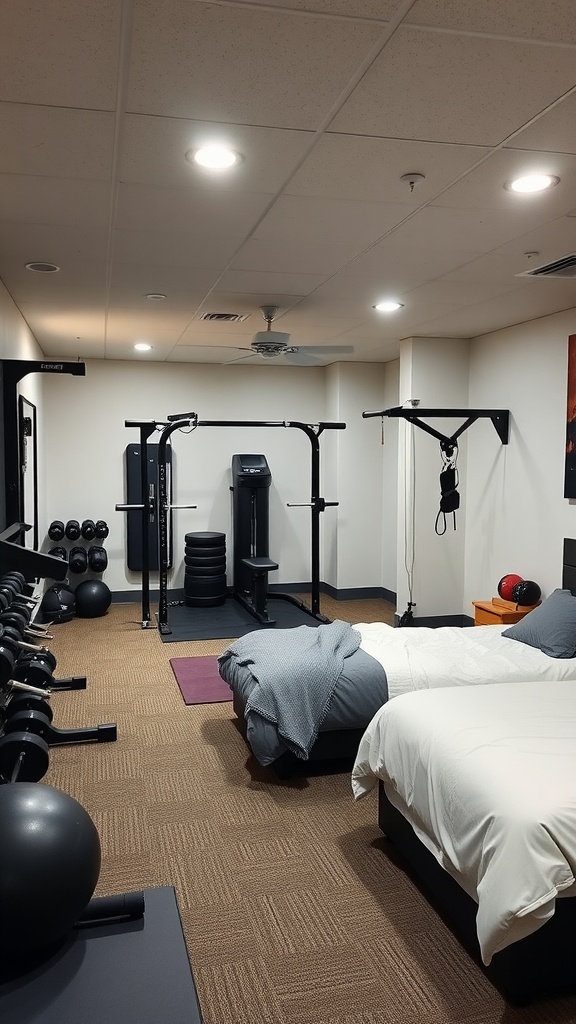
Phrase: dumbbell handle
x=14 y=684
x=30 y=647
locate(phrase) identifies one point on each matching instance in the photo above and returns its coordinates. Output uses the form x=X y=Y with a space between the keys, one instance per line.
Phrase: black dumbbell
x=59 y=553
x=56 y=530
x=101 y=528
x=88 y=529
x=97 y=558
x=72 y=529
x=78 y=560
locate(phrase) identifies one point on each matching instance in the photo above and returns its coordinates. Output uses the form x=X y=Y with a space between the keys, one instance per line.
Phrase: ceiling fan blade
x=320 y=349
x=300 y=358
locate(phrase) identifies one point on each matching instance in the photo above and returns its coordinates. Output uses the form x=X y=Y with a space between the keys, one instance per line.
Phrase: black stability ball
x=93 y=598
x=49 y=865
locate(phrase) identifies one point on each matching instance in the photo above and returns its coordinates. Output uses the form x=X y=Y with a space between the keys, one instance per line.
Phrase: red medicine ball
x=507 y=584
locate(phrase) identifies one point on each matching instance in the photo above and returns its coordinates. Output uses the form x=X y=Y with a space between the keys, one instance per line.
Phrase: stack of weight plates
x=205 y=572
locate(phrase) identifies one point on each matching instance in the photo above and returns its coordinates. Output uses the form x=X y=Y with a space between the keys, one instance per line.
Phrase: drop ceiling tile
x=483 y=187
x=201 y=215
x=552 y=21
x=516 y=307
x=60 y=348
x=403 y=95
x=549 y=242
x=390 y=267
x=221 y=301
x=175 y=248
x=154 y=148
x=294 y=257
x=137 y=280
x=262 y=282
x=60 y=52
x=486 y=229
x=32 y=200
x=122 y=325
x=52 y=142
x=554 y=132
x=61 y=327
x=377 y=9
x=369 y=169
x=305 y=220
x=52 y=243
x=222 y=63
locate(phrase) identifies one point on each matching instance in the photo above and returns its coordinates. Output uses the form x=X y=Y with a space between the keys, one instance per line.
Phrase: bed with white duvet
x=273 y=673
x=486 y=778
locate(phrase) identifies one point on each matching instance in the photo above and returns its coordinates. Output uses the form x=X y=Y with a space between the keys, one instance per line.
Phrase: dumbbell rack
x=26 y=674
x=75 y=536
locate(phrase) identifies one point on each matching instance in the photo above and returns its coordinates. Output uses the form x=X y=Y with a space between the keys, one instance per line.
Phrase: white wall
x=353 y=531
x=435 y=371
x=516 y=514
x=87 y=438
x=18 y=342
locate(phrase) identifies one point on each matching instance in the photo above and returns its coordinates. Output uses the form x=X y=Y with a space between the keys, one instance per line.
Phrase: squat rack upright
x=162 y=506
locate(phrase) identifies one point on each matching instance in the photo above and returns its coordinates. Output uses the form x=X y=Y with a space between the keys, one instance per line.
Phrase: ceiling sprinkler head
x=412 y=179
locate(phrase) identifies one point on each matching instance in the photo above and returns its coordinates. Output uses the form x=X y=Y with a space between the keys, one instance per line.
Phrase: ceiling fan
x=270 y=344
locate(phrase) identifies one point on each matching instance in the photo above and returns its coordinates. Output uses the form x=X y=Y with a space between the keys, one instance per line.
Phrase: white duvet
x=420 y=658
x=487 y=778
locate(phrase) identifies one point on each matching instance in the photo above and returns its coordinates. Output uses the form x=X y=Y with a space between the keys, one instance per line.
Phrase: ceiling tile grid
x=330 y=104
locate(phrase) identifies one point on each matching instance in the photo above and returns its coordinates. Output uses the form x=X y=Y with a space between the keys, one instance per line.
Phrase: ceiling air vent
x=229 y=318
x=565 y=267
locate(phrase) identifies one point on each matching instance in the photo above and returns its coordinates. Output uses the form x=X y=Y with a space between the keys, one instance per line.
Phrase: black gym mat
x=230 y=620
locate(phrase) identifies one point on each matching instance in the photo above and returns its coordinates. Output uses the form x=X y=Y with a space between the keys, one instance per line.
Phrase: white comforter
x=487 y=778
x=420 y=658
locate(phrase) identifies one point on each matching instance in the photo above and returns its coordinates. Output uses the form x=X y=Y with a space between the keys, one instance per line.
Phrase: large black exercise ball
x=526 y=592
x=49 y=865
x=93 y=598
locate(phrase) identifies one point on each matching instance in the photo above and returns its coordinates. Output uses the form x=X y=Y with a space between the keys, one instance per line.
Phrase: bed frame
x=542 y=964
x=333 y=751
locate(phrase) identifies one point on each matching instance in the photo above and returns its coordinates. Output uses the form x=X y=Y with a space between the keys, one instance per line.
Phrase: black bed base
x=540 y=965
x=333 y=751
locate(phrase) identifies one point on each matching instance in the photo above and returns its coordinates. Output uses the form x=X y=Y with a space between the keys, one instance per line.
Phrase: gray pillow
x=551 y=626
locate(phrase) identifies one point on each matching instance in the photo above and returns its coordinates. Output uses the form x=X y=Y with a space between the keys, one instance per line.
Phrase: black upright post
x=164 y=507
x=147 y=427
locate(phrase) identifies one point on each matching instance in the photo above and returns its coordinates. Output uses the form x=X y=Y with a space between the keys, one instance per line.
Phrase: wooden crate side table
x=499 y=612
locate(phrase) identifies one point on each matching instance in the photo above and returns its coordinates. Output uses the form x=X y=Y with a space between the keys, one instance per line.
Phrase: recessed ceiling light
x=388 y=306
x=142 y=346
x=532 y=183
x=155 y=296
x=42 y=268
x=214 y=157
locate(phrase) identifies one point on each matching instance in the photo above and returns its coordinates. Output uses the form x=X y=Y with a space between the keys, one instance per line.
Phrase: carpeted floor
x=292 y=910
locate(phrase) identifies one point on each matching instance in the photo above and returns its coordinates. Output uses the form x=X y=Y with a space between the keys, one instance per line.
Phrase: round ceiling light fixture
x=155 y=296
x=388 y=306
x=142 y=346
x=532 y=183
x=39 y=267
x=214 y=157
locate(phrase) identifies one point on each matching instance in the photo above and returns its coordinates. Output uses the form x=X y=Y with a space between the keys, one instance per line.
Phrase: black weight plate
x=204 y=602
x=28 y=721
x=214 y=552
x=205 y=586
x=192 y=573
x=204 y=539
x=29 y=702
x=29 y=753
x=210 y=561
x=35 y=673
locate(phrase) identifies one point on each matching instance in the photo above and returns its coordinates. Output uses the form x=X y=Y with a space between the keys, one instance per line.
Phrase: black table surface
x=135 y=972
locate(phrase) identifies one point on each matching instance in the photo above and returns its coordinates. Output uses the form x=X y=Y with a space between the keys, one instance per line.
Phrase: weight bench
x=256 y=605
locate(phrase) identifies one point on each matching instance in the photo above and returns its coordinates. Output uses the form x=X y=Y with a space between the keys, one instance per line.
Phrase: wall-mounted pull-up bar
x=500 y=418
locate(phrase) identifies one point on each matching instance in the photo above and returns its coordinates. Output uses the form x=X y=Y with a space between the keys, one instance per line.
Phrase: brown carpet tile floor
x=293 y=912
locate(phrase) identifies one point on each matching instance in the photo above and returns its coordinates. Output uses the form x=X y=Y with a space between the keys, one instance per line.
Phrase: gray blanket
x=295 y=702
